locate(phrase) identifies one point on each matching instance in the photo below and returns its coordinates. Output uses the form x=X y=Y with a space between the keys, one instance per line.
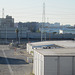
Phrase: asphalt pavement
x=14 y=62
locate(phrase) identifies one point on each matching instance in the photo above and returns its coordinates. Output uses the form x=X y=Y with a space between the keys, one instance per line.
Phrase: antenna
x=3 y=13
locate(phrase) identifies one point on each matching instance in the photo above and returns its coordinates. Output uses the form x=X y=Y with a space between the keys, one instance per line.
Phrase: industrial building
x=53 y=57
x=58 y=29
x=49 y=44
x=54 y=61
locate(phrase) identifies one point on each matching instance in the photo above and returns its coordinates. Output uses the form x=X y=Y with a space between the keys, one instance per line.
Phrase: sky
x=62 y=11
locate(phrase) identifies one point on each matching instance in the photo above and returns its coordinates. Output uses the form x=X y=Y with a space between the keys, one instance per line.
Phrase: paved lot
x=14 y=62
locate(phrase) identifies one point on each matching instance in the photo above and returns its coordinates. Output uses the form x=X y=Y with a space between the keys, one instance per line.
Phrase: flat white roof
x=57 y=52
x=66 y=44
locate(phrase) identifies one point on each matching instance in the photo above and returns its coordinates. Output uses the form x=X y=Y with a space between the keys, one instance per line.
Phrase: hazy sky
x=62 y=11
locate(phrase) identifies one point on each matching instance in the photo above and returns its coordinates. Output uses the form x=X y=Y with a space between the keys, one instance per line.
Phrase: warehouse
x=50 y=44
x=54 y=61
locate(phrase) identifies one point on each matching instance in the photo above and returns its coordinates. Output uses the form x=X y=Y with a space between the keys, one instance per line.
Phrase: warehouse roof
x=57 y=52
x=51 y=45
x=66 y=44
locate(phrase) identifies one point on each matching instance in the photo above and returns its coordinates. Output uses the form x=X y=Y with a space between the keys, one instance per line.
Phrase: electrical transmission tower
x=43 y=24
x=3 y=13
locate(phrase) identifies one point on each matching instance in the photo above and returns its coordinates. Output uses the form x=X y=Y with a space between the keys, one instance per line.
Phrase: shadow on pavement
x=12 y=61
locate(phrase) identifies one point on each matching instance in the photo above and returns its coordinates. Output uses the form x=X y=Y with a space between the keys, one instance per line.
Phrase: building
x=52 y=44
x=54 y=61
x=53 y=57
x=10 y=32
x=7 y=22
x=69 y=30
x=56 y=28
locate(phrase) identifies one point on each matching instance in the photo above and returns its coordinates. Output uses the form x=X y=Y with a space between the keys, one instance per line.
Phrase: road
x=13 y=63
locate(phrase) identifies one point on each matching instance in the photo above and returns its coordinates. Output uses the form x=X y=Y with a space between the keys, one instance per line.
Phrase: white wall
x=29 y=48
x=38 y=63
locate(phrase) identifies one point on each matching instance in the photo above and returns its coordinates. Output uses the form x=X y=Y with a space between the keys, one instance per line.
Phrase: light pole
x=6 y=34
x=19 y=40
x=41 y=32
x=45 y=35
x=17 y=34
x=0 y=35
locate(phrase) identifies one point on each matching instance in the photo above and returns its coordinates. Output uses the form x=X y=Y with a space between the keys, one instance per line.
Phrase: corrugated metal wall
x=53 y=65
x=38 y=63
x=59 y=65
